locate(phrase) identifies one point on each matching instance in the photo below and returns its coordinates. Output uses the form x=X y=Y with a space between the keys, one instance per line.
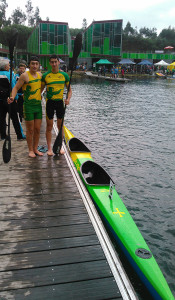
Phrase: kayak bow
x=116 y=216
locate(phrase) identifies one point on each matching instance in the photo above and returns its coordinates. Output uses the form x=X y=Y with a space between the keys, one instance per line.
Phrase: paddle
x=6 y=150
x=77 y=48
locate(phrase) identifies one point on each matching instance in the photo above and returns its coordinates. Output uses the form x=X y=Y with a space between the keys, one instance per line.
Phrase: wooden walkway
x=48 y=246
x=100 y=77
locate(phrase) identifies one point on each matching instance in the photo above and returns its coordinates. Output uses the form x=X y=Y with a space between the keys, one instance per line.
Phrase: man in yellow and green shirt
x=30 y=82
x=55 y=82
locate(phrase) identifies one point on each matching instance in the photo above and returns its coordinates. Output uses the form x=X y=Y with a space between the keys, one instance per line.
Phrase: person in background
x=21 y=70
x=30 y=82
x=123 y=72
x=116 y=72
x=4 y=108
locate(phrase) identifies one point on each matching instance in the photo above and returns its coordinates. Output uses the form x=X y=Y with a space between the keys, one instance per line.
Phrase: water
x=130 y=129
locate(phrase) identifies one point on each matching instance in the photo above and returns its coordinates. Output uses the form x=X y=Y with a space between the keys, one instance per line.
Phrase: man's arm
x=18 y=85
x=69 y=94
x=42 y=86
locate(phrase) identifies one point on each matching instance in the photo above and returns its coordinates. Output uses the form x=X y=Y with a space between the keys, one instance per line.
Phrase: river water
x=130 y=129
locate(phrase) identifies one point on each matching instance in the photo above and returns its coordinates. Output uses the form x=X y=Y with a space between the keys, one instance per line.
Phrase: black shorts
x=53 y=106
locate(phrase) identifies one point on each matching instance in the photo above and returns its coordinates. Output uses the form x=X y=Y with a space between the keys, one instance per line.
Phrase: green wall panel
x=44 y=47
x=60 y=49
x=106 y=46
x=95 y=50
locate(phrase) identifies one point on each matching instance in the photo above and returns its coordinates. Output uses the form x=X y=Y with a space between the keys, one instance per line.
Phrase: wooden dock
x=49 y=248
x=100 y=77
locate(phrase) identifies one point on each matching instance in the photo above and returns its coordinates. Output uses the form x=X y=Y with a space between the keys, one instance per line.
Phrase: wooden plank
x=45 y=233
x=57 y=274
x=104 y=288
x=43 y=222
x=48 y=244
x=50 y=258
x=17 y=214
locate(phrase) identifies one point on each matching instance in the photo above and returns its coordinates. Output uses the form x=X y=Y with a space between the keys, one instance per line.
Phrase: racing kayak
x=111 y=208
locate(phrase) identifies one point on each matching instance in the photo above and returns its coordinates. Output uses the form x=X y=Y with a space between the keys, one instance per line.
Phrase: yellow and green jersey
x=32 y=90
x=55 y=83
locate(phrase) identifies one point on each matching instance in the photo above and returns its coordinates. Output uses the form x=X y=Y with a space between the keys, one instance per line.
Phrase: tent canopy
x=61 y=61
x=161 y=63
x=145 y=62
x=126 y=62
x=171 y=66
x=104 y=62
x=169 y=47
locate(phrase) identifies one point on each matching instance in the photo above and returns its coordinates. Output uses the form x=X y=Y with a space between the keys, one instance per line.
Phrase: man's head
x=21 y=68
x=54 y=62
x=34 y=63
x=4 y=64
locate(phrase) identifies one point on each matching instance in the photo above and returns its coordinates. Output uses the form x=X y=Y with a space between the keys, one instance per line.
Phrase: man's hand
x=10 y=100
x=67 y=101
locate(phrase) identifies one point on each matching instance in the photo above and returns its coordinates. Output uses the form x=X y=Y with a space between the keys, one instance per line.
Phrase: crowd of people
x=25 y=102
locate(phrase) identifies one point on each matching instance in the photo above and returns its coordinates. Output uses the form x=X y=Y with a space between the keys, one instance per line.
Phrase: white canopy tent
x=161 y=63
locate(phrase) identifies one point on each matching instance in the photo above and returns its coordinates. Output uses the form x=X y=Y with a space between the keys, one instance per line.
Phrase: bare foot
x=38 y=153
x=32 y=154
x=62 y=151
x=49 y=152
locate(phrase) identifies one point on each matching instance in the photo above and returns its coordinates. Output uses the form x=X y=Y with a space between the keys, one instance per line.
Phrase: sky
x=157 y=14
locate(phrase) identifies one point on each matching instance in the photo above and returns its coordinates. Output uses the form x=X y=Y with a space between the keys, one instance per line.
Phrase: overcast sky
x=149 y=13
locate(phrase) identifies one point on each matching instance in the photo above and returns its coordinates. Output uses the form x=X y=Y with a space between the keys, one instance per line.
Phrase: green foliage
x=18 y=17
x=23 y=34
x=30 y=13
x=74 y=31
x=146 y=39
x=3 y=6
x=84 y=24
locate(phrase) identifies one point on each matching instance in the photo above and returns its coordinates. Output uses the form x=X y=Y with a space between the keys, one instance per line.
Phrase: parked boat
x=102 y=190
x=160 y=75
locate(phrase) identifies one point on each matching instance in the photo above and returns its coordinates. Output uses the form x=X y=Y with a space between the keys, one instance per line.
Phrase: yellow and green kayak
x=102 y=190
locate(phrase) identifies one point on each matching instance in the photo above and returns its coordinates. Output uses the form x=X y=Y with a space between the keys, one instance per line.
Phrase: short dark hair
x=22 y=65
x=33 y=58
x=54 y=56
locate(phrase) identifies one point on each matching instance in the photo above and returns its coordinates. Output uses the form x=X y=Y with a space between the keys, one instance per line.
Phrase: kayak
x=160 y=75
x=115 y=215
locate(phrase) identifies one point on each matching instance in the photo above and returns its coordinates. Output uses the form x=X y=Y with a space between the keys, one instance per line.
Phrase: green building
x=100 y=39
x=50 y=38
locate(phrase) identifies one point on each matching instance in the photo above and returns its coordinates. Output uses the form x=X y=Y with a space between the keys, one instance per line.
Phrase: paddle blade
x=12 y=38
x=6 y=150
x=58 y=143
x=77 y=49
x=77 y=46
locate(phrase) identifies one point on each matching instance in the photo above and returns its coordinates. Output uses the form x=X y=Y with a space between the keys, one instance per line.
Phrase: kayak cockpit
x=75 y=145
x=94 y=174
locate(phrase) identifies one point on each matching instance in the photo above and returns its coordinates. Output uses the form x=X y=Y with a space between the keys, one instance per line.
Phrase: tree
x=30 y=13
x=74 y=31
x=37 y=15
x=18 y=17
x=84 y=24
x=3 y=6
x=148 y=33
x=23 y=34
x=129 y=30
